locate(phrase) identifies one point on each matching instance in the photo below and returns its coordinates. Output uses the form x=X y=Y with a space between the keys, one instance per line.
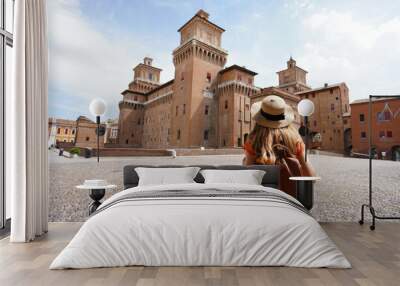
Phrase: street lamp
x=306 y=109
x=97 y=107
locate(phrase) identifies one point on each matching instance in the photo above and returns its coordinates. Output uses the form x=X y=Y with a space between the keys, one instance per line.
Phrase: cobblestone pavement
x=338 y=196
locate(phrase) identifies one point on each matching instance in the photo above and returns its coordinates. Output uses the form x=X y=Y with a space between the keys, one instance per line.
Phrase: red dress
x=289 y=167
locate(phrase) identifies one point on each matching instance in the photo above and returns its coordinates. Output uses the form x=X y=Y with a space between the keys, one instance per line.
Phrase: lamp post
x=97 y=107
x=306 y=109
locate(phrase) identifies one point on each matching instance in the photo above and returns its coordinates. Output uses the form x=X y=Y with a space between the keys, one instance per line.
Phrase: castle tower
x=145 y=76
x=197 y=62
x=293 y=78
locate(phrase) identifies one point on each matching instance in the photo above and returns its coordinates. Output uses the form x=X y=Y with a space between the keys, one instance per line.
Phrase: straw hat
x=272 y=112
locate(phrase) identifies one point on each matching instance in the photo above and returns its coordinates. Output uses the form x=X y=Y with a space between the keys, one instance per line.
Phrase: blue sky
x=95 y=44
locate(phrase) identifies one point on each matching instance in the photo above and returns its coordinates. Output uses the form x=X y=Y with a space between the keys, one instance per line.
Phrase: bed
x=201 y=224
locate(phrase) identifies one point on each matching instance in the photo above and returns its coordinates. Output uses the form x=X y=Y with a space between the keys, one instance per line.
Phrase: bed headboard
x=270 y=179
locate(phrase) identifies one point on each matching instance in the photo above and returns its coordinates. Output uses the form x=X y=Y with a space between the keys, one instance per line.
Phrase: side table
x=305 y=190
x=96 y=193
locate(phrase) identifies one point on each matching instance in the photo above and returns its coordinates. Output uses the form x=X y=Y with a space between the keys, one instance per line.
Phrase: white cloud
x=86 y=63
x=338 y=47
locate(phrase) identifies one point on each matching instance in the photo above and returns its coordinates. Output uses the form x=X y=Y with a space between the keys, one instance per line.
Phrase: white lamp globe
x=305 y=107
x=97 y=107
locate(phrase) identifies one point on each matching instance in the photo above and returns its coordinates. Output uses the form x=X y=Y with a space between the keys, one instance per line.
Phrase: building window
x=239 y=77
x=362 y=117
x=337 y=98
x=138 y=122
x=313 y=94
x=184 y=108
x=389 y=134
x=345 y=108
x=150 y=76
x=177 y=110
x=250 y=81
x=226 y=104
x=178 y=135
x=205 y=134
x=315 y=123
x=224 y=143
x=87 y=138
x=208 y=77
x=332 y=107
x=58 y=130
x=135 y=98
x=381 y=134
x=182 y=76
x=331 y=91
x=384 y=116
x=66 y=131
x=344 y=121
x=73 y=131
x=206 y=110
x=363 y=135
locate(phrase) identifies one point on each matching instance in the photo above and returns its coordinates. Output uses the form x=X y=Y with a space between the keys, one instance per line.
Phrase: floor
x=375 y=257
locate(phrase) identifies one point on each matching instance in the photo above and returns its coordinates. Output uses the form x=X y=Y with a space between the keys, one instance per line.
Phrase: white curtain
x=27 y=129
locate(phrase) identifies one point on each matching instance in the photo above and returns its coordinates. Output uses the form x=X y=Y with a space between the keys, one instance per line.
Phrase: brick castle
x=208 y=105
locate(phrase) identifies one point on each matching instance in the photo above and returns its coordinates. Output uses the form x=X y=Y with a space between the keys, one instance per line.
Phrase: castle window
x=209 y=77
x=206 y=110
x=226 y=104
x=58 y=130
x=362 y=117
x=389 y=134
x=66 y=131
x=178 y=135
x=205 y=135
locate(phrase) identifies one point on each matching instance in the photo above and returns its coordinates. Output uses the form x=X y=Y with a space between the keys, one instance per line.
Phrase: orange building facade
x=385 y=127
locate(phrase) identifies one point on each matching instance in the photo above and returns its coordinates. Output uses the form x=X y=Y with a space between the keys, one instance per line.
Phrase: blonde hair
x=272 y=145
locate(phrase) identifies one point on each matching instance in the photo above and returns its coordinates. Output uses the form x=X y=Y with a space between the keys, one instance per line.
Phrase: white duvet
x=200 y=231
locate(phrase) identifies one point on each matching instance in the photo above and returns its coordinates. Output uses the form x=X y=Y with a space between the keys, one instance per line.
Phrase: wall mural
x=190 y=103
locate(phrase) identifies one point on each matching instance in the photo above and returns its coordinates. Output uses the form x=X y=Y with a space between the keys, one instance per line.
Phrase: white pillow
x=248 y=177
x=166 y=176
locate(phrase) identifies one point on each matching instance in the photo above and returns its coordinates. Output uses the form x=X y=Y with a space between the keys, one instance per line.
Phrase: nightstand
x=305 y=190
x=96 y=193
